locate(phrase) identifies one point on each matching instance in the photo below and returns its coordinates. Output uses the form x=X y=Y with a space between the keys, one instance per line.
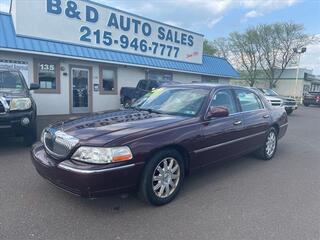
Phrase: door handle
x=237 y=122
x=266 y=116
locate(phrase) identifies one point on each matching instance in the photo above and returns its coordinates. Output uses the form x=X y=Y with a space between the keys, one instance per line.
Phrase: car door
x=220 y=135
x=141 y=88
x=256 y=118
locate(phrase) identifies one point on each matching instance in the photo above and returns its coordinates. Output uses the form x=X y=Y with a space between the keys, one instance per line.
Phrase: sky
x=217 y=18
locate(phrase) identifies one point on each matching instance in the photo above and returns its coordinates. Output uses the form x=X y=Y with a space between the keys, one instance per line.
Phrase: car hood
x=286 y=98
x=102 y=128
x=12 y=93
x=272 y=98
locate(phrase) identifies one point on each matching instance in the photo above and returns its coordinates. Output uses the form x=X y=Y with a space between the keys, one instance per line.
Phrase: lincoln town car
x=154 y=144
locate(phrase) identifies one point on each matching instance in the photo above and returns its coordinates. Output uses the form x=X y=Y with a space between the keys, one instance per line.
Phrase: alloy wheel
x=166 y=177
x=271 y=143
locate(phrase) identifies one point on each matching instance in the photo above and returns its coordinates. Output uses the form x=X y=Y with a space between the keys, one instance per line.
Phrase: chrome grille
x=290 y=103
x=2 y=109
x=4 y=105
x=58 y=144
x=275 y=102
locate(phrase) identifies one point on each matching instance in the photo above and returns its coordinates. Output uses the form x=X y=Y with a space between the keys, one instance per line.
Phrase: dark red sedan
x=164 y=136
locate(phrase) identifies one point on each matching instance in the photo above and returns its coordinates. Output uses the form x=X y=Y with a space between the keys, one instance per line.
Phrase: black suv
x=18 y=112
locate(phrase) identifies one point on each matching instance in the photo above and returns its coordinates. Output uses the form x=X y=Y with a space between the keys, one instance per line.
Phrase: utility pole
x=299 y=52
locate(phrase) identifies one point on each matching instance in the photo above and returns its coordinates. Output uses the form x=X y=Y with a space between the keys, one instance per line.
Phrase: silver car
x=277 y=100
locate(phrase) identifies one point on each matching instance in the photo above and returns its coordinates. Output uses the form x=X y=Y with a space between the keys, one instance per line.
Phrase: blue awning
x=211 y=65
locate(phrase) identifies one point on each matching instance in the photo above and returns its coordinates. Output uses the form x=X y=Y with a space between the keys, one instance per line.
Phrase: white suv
x=277 y=100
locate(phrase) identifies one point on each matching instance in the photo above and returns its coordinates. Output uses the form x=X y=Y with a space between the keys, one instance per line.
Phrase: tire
x=127 y=103
x=306 y=104
x=265 y=154
x=289 y=111
x=157 y=190
x=30 y=136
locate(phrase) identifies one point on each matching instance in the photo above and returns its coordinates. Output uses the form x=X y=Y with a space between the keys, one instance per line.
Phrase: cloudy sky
x=217 y=18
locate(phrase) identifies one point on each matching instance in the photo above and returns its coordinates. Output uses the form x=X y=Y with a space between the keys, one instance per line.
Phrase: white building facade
x=82 y=53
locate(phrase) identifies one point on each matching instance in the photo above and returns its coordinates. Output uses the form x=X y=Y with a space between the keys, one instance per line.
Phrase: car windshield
x=175 y=101
x=11 y=81
x=269 y=92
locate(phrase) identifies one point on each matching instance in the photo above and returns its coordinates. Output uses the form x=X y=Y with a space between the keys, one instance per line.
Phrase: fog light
x=25 y=121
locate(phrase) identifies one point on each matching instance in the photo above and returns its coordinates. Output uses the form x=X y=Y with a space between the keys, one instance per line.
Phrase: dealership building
x=82 y=53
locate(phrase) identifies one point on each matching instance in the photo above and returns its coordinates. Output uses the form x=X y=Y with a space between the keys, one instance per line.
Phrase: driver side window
x=224 y=98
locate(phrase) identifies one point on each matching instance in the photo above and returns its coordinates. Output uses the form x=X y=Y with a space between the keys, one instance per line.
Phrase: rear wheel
x=162 y=177
x=269 y=148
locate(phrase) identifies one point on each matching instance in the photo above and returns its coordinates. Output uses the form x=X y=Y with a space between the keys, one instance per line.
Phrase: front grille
x=2 y=102
x=275 y=103
x=2 y=110
x=290 y=103
x=58 y=144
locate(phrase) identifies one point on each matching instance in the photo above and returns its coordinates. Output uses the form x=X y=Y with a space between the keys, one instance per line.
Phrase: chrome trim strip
x=229 y=142
x=4 y=104
x=76 y=170
x=286 y=124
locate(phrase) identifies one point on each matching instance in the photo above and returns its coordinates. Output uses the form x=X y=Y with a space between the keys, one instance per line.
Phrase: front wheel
x=30 y=136
x=289 y=111
x=269 y=148
x=306 y=104
x=162 y=177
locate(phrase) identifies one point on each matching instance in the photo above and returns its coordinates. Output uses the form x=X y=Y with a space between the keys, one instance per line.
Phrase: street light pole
x=299 y=52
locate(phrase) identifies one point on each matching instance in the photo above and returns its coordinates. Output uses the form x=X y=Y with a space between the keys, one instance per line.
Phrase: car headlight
x=20 y=104
x=99 y=155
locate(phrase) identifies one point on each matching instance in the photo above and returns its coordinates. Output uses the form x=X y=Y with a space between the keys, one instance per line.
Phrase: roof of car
x=205 y=85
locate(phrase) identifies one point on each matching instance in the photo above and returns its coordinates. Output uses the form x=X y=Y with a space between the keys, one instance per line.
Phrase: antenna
x=10 y=6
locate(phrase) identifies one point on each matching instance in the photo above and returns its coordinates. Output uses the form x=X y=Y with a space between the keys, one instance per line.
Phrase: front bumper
x=11 y=122
x=86 y=180
x=290 y=107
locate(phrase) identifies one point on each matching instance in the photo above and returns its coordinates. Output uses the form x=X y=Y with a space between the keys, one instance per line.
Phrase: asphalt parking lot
x=242 y=199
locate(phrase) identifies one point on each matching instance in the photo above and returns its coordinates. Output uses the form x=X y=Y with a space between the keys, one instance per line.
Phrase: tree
x=276 y=43
x=222 y=47
x=244 y=49
x=208 y=48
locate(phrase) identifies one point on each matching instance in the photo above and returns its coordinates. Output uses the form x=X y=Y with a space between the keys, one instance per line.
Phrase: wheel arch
x=182 y=150
x=276 y=127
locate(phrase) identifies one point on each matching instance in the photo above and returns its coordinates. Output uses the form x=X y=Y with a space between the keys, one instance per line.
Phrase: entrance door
x=80 y=90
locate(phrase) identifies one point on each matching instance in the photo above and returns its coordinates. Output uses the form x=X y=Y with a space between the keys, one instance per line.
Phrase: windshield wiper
x=150 y=110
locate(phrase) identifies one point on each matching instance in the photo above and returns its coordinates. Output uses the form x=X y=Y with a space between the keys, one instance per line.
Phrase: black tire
x=262 y=153
x=127 y=103
x=306 y=104
x=146 y=190
x=30 y=136
x=289 y=111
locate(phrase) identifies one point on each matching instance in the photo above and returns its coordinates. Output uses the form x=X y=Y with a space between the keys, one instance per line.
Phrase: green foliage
x=208 y=48
x=266 y=48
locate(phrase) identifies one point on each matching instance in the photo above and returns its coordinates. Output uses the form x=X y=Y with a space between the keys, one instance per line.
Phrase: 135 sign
x=44 y=67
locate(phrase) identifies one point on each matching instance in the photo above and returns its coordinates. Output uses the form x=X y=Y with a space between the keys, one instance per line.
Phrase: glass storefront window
x=108 y=80
x=47 y=75
x=159 y=76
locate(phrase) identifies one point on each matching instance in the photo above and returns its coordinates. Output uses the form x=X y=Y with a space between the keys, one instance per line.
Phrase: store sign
x=90 y=24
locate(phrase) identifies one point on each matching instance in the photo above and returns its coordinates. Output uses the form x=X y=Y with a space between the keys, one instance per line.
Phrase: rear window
x=249 y=101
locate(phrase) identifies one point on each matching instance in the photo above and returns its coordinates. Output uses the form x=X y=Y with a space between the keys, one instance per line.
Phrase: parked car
x=311 y=98
x=277 y=100
x=18 y=110
x=162 y=138
x=129 y=94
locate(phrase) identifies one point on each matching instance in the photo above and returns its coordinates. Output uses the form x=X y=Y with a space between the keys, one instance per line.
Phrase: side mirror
x=217 y=112
x=34 y=86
